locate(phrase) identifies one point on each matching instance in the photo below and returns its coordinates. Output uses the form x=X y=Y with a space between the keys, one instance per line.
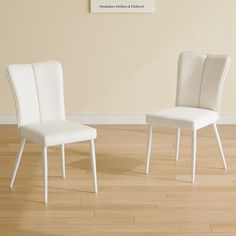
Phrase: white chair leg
x=194 y=144
x=93 y=164
x=220 y=146
x=63 y=169
x=149 y=144
x=45 y=173
x=177 y=144
x=17 y=163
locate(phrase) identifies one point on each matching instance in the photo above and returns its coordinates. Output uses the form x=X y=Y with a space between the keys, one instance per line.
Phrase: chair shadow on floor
x=112 y=164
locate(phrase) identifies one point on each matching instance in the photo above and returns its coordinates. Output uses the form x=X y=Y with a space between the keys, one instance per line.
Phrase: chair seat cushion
x=56 y=132
x=183 y=117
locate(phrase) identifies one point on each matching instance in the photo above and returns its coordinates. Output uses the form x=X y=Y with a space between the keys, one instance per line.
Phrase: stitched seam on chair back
x=40 y=117
x=200 y=89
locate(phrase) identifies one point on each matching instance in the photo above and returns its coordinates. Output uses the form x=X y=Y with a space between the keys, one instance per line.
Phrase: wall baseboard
x=108 y=118
x=227 y=119
x=116 y=119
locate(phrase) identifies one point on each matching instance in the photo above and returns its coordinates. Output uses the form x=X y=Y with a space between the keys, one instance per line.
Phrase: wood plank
x=129 y=203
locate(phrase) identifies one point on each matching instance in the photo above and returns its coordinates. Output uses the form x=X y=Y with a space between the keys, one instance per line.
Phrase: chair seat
x=56 y=132
x=183 y=117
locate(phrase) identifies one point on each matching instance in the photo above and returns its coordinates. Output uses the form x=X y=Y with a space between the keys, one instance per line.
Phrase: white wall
x=115 y=63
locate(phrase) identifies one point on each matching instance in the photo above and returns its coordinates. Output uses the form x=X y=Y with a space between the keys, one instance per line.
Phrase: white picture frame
x=122 y=6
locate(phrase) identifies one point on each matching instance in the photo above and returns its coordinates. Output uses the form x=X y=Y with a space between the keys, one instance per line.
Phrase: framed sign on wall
x=122 y=6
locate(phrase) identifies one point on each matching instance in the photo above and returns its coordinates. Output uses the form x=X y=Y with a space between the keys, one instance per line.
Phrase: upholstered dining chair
x=39 y=99
x=199 y=88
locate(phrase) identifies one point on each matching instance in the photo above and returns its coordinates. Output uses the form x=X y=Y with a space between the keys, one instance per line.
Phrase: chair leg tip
x=46 y=199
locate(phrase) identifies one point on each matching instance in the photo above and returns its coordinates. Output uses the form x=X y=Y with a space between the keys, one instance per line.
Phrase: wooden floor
x=128 y=203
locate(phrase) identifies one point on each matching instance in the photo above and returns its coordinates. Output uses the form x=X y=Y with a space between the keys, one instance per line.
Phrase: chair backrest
x=38 y=91
x=200 y=80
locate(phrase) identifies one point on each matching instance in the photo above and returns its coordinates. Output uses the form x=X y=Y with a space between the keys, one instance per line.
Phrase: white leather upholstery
x=200 y=80
x=184 y=117
x=56 y=132
x=49 y=84
x=190 y=69
x=21 y=78
x=38 y=90
x=213 y=77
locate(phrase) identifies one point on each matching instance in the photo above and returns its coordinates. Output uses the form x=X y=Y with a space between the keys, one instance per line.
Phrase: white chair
x=200 y=82
x=39 y=99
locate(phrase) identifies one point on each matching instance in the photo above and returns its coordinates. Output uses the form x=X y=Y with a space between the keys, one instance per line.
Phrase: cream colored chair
x=39 y=98
x=200 y=82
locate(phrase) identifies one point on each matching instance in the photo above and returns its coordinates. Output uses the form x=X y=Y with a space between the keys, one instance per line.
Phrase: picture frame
x=122 y=6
